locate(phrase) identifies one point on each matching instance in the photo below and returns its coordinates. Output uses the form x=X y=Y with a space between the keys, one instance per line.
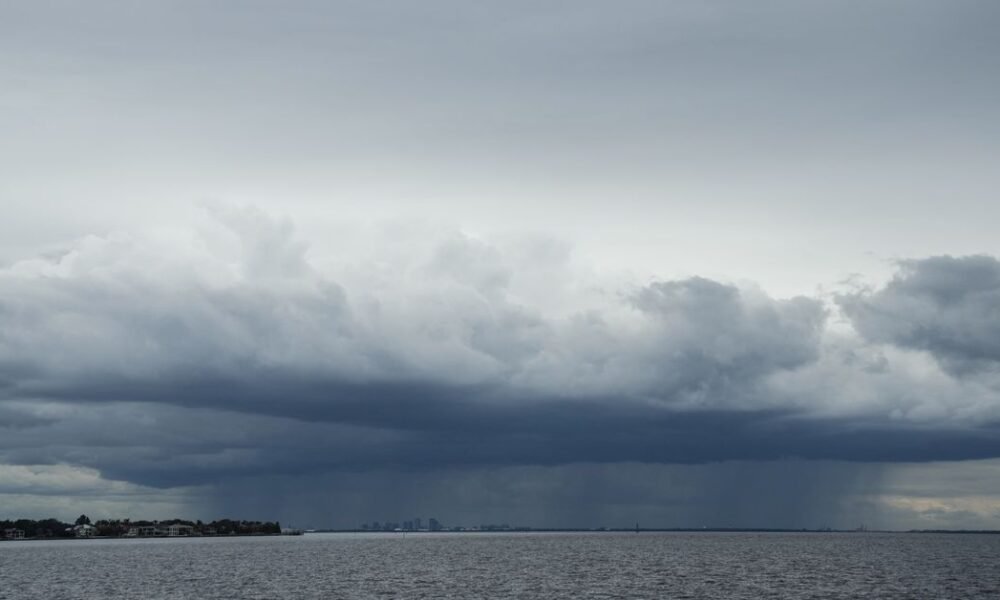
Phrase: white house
x=179 y=530
x=176 y=530
x=84 y=531
x=145 y=531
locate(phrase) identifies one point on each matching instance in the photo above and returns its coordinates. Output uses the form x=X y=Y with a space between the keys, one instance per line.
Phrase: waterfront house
x=176 y=530
x=179 y=530
x=145 y=531
x=84 y=530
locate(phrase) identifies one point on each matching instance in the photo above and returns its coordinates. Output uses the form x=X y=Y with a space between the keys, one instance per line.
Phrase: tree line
x=54 y=528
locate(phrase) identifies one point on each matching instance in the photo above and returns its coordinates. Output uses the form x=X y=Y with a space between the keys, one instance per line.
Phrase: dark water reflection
x=597 y=565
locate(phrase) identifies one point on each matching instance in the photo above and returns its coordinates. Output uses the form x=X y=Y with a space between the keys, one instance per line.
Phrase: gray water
x=522 y=565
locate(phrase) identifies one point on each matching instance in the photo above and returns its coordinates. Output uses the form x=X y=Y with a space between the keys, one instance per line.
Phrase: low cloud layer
x=184 y=359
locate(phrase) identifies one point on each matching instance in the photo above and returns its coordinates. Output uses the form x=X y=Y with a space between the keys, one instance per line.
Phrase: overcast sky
x=550 y=263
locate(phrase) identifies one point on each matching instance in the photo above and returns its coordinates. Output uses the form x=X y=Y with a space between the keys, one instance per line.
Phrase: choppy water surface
x=537 y=565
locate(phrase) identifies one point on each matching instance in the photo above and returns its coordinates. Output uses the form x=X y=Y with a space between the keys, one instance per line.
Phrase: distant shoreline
x=83 y=528
x=531 y=530
x=125 y=537
x=661 y=530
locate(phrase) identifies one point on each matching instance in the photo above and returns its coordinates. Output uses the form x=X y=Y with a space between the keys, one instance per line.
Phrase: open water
x=514 y=565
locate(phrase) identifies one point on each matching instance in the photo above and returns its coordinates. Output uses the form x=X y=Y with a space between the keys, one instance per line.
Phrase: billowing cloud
x=235 y=352
x=116 y=318
x=946 y=306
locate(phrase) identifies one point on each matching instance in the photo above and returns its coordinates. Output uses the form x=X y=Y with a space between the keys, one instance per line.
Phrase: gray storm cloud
x=234 y=352
x=944 y=305
x=111 y=312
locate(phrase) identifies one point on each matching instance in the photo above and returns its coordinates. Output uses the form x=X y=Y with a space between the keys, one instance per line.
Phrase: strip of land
x=22 y=529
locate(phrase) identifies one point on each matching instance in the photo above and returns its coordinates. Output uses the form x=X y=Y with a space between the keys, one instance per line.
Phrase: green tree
x=82 y=520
